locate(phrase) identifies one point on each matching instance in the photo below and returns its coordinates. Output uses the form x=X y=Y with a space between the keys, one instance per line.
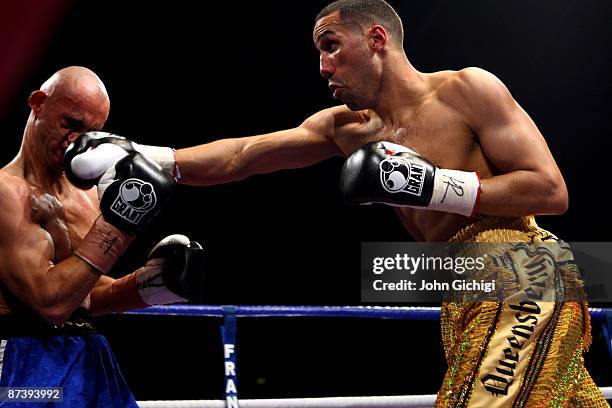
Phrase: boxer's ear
x=36 y=100
x=378 y=38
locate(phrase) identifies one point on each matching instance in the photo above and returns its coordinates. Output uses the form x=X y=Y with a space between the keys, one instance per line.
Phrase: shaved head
x=72 y=101
x=77 y=83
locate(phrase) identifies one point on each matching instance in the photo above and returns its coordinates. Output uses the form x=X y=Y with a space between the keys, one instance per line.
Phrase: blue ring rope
x=380 y=312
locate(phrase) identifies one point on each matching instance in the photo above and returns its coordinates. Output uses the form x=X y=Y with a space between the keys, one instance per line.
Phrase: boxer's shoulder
x=14 y=190
x=341 y=115
x=335 y=124
x=476 y=95
x=348 y=123
x=15 y=196
x=468 y=86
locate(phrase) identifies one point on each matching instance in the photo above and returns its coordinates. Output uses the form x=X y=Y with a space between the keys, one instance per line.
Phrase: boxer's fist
x=173 y=273
x=92 y=153
x=374 y=174
x=383 y=172
x=133 y=191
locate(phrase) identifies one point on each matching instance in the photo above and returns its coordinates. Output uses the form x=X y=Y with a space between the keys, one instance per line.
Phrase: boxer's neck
x=402 y=88
x=29 y=165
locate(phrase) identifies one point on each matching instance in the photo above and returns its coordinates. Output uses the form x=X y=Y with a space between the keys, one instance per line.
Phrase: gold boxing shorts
x=517 y=352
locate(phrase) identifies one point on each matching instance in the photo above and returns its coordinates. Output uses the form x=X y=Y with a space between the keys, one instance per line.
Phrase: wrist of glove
x=383 y=172
x=103 y=245
x=173 y=273
x=131 y=193
x=456 y=192
x=92 y=153
x=164 y=156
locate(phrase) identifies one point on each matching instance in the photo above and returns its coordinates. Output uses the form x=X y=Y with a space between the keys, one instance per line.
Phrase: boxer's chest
x=433 y=130
x=80 y=215
x=70 y=214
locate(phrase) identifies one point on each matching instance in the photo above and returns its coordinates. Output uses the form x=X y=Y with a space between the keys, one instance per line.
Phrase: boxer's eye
x=329 y=46
x=74 y=124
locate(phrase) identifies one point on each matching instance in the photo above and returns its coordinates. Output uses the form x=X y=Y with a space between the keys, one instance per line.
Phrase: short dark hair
x=367 y=12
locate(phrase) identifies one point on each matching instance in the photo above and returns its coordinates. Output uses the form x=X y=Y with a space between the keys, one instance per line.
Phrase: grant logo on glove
x=399 y=175
x=398 y=169
x=135 y=199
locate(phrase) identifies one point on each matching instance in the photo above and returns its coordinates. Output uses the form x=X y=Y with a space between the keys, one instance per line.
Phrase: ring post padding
x=228 y=337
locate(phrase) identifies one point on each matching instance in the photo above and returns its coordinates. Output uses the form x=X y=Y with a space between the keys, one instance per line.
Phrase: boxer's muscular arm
x=529 y=181
x=228 y=160
x=98 y=305
x=26 y=261
x=98 y=297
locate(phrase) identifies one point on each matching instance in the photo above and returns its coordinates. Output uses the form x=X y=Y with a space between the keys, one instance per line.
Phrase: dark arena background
x=183 y=73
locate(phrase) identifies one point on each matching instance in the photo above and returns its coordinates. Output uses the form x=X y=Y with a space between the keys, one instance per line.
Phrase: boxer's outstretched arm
x=53 y=290
x=228 y=160
x=529 y=181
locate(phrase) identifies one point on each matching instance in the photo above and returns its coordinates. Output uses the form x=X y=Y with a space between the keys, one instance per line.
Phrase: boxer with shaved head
x=59 y=241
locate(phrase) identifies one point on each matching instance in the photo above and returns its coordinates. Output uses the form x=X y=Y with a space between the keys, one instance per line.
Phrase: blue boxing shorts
x=76 y=358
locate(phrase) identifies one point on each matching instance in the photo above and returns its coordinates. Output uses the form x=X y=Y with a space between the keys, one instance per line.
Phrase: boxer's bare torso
x=435 y=129
x=62 y=218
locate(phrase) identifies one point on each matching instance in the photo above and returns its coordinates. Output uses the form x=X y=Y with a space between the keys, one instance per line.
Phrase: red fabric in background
x=26 y=26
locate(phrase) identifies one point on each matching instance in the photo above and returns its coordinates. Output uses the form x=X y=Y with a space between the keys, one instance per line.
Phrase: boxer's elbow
x=556 y=197
x=55 y=315
x=559 y=202
x=54 y=310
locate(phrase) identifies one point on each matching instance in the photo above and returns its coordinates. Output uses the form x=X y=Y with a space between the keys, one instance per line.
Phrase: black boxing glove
x=383 y=172
x=131 y=193
x=176 y=265
x=173 y=273
x=92 y=153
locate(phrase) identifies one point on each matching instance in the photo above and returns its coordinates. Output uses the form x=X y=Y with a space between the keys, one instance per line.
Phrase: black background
x=183 y=73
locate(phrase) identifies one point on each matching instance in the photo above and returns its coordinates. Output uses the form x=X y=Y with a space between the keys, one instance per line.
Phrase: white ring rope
x=400 y=401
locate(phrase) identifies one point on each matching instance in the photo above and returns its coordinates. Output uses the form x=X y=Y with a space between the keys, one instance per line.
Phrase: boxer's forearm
x=523 y=192
x=116 y=295
x=208 y=164
x=229 y=160
x=67 y=284
x=98 y=304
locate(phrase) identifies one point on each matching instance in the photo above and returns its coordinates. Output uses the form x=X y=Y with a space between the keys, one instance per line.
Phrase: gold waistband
x=498 y=229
